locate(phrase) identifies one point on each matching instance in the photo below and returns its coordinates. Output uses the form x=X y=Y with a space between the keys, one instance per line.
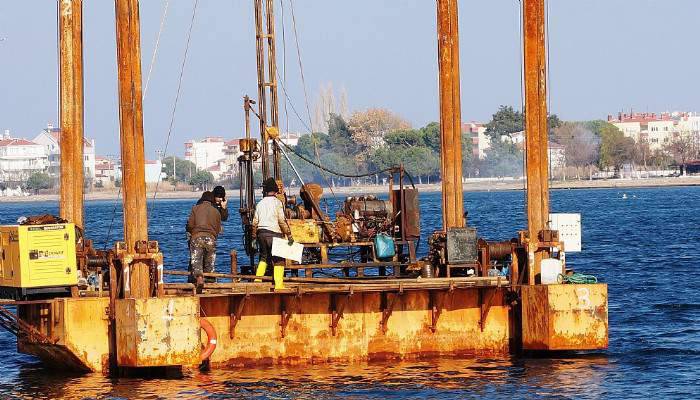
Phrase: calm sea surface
x=646 y=247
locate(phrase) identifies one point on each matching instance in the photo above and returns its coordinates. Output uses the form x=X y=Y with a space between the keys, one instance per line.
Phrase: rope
x=155 y=49
x=177 y=94
x=577 y=278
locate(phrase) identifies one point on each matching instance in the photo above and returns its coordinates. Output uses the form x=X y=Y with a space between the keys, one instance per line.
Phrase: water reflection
x=459 y=378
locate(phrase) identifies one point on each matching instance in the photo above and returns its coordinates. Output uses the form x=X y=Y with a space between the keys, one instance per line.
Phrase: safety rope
x=577 y=278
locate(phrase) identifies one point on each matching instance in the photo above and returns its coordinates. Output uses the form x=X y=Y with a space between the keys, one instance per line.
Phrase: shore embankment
x=470 y=186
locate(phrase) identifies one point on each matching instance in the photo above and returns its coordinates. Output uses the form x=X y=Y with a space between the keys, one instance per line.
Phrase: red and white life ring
x=211 y=338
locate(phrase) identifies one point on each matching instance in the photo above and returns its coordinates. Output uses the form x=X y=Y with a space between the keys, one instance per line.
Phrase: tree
x=581 y=145
x=615 y=148
x=504 y=122
x=202 y=179
x=683 y=148
x=38 y=181
x=431 y=136
x=369 y=127
x=183 y=169
x=507 y=121
x=470 y=162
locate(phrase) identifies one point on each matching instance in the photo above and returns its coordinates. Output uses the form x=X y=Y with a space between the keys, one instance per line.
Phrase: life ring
x=211 y=338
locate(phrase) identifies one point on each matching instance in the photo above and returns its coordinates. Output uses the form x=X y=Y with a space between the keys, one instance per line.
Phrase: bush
x=38 y=181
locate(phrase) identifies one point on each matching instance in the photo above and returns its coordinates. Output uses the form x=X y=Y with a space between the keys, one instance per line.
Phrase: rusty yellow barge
x=132 y=318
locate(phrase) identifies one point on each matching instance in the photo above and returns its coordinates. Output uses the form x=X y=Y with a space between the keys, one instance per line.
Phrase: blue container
x=384 y=246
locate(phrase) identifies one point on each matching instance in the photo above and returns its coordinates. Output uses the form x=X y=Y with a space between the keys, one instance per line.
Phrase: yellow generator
x=37 y=260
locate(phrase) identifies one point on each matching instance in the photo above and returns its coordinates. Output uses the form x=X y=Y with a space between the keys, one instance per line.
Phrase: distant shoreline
x=474 y=186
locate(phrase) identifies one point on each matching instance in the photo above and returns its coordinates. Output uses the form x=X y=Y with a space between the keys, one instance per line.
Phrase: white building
x=20 y=158
x=107 y=171
x=658 y=130
x=50 y=138
x=290 y=138
x=205 y=153
x=154 y=171
x=480 y=141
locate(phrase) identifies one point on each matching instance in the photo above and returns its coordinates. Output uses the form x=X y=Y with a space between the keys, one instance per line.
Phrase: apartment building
x=50 y=138
x=20 y=158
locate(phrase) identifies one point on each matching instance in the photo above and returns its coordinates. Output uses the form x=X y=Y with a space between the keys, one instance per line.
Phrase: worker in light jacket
x=269 y=222
x=203 y=227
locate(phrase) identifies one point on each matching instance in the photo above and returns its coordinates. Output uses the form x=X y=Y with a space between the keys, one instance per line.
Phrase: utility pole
x=131 y=135
x=71 y=104
x=450 y=114
x=536 y=131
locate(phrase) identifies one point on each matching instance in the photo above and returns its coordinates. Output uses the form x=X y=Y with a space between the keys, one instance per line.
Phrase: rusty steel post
x=70 y=38
x=262 y=97
x=536 y=132
x=450 y=114
x=131 y=136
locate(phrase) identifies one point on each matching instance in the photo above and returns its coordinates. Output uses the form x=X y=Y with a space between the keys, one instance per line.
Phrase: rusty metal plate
x=461 y=245
x=565 y=317
x=158 y=331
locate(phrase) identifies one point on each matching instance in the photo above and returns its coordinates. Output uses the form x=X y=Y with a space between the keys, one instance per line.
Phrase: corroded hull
x=275 y=328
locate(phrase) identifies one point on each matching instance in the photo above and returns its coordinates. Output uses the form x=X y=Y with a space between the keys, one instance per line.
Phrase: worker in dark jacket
x=269 y=222
x=203 y=226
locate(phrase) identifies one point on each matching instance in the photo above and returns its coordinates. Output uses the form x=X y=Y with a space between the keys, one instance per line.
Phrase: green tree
x=615 y=148
x=183 y=169
x=507 y=121
x=38 y=181
x=202 y=179
x=431 y=136
x=470 y=162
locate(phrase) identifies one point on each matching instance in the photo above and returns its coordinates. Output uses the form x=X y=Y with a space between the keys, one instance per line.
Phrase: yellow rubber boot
x=262 y=267
x=279 y=276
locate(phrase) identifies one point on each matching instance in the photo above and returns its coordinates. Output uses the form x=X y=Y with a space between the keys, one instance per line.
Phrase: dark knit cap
x=219 y=191
x=270 y=185
x=208 y=196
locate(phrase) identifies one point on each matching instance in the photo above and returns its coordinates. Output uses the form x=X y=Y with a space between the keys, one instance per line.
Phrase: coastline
x=472 y=186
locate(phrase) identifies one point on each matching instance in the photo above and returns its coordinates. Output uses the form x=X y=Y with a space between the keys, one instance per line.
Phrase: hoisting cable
x=304 y=86
x=155 y=48
x=177 y=94
x=301 y=66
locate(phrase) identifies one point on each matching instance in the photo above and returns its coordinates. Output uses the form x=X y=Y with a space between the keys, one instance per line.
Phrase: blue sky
x=605 y=55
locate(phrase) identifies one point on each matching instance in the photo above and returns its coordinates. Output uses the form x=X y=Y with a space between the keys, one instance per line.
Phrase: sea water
x=645 y=246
